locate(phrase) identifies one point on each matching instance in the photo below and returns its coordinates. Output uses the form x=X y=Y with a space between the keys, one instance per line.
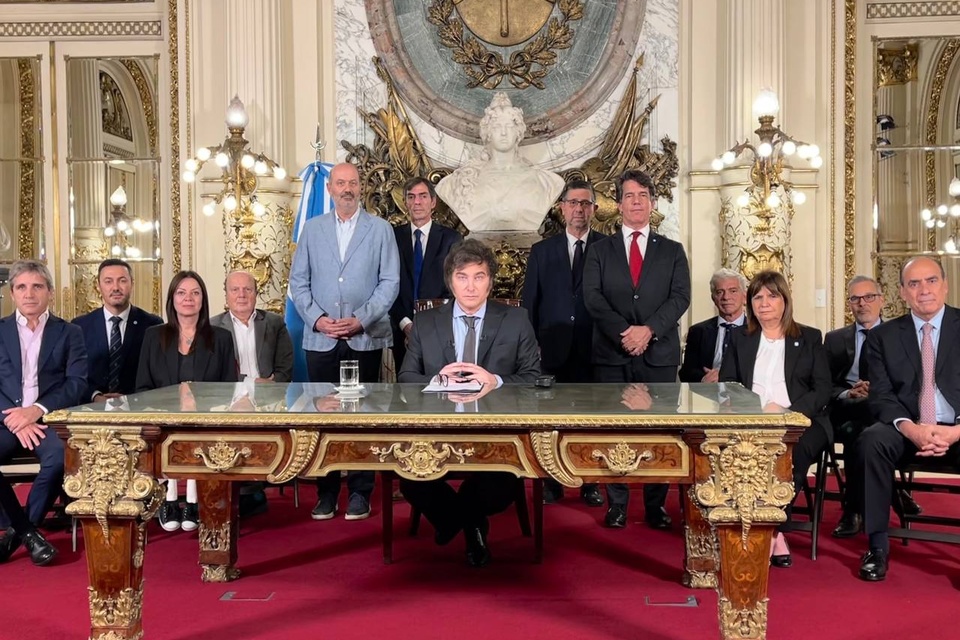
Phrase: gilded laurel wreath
x=526 y=67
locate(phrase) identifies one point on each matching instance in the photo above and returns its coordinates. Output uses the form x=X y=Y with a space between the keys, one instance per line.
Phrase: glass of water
x=349 y=374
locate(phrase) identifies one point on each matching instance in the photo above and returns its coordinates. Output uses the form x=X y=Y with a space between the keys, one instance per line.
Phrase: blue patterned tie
x=417 y=262
x=115 y=361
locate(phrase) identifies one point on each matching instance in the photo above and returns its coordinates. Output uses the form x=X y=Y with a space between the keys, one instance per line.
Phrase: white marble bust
x=501 y=191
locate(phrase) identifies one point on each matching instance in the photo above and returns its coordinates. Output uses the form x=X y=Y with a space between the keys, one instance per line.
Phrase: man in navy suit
x=43 y=367
x=914 y=366
x=125 y=334
x=636 y=285
x=707 y=341
x=423 y=245
x=553 y=295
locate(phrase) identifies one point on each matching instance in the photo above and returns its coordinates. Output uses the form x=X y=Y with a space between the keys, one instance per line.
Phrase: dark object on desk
x=545 y=381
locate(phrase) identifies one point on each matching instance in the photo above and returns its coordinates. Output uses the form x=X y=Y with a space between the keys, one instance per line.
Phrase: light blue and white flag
x=314 y=201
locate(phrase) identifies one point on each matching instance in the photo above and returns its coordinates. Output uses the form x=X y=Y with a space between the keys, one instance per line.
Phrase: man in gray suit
x=265 y=354
x=469 y=339
x=344 y=278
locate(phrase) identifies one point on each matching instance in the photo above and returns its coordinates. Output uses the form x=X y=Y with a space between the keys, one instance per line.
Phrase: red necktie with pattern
x=636 y=259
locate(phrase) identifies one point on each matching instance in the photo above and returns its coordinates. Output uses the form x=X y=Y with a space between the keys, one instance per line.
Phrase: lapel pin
x=796 y=344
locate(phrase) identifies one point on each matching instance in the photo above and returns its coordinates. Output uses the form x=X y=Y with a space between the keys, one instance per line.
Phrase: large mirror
x=113 y=168
x=916 y=158
x=21 y=166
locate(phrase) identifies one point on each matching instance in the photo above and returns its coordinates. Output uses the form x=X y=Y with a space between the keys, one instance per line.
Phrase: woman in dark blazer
x=187 y=348
x=786 y=365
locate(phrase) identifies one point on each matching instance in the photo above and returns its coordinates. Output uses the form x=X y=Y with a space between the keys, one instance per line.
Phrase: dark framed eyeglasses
x=870 y=297
x=578 y=203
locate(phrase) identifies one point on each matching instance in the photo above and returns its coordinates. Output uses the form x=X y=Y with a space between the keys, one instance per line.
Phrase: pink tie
x=928 y=397
x=636 y=259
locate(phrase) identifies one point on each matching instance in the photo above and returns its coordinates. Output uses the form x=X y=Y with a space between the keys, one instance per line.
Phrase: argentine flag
x=315 y=200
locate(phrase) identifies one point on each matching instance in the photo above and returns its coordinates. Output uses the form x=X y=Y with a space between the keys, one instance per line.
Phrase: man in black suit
x=636 y=286
x=469 y=339
x=117 y=324
x=849 y=413
x=423 y=245
x=553 y=294
x=914 y=364
x=43 y=367
x=707 y=341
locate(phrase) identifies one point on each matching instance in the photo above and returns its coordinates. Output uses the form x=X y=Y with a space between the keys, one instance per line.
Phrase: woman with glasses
x=783 y=362
x=187 y=348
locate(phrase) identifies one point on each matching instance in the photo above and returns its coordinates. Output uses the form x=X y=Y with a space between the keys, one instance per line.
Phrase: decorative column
x=246 y=56
x=87 y=198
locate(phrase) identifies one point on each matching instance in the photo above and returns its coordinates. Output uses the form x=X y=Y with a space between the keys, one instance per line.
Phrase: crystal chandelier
x=942 y=215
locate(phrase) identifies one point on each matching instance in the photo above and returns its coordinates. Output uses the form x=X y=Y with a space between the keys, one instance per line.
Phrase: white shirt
x=572 y=244
x=124 y=317
x=641 y=241
x=721 y=334
x=423 y=239
x=245 y=337
x=423 y=244
x=768 y=379
x=345 y=229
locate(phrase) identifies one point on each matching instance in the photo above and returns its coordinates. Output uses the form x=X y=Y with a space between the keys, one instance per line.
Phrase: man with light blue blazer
x=344 y=278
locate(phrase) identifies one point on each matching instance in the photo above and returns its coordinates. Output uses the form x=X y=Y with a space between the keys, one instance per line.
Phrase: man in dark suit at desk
x=914 y=365
x=636 y=285
x=43 y=367
x=113 y=334
x=849 y=413
x=423 y=245
x=553 y=294
x=707 y=341
x=469 y=339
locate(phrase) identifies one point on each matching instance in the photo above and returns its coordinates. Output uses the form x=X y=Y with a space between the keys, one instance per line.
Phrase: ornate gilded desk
x=731 y=459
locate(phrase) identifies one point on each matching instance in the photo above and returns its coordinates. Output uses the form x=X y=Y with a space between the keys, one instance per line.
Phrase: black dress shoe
x=782 y=561
x=616 y=518
x=658 y=519
x=9 y=543
x=41 y=551
x=590 y=494
x=849 y=526
x=552 y=492
x=910 y=506
x=478 y=553
x=873 y=566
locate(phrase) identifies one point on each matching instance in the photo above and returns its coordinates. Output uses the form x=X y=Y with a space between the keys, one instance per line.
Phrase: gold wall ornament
x=221 y=456
x=511 y=267
x=107 y=482
x=422 y=458
x=546 y=447
x=27 y=213
x=120 y=611
x=897 y=65
x=932 y=128
x=751 y=242
x=215 y=538
x=622 y=458
x=888 y=265
x=743 y=624
x=505 y=23
x=218 y=573
x=114 y=115
x=743 y=486
x=173 y=63
x=702 y=544
x=304 y=446
x=849 y=141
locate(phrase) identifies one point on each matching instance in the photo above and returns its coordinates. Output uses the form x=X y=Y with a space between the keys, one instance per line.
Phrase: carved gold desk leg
x=115 y=566
x=701 y=556
x=218 y=530
x=743 y=575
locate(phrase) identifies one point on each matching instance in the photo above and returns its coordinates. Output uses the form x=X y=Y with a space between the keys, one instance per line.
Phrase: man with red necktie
x=636 y=286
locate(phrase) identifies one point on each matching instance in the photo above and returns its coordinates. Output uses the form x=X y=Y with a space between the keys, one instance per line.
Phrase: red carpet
x=305 y=579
